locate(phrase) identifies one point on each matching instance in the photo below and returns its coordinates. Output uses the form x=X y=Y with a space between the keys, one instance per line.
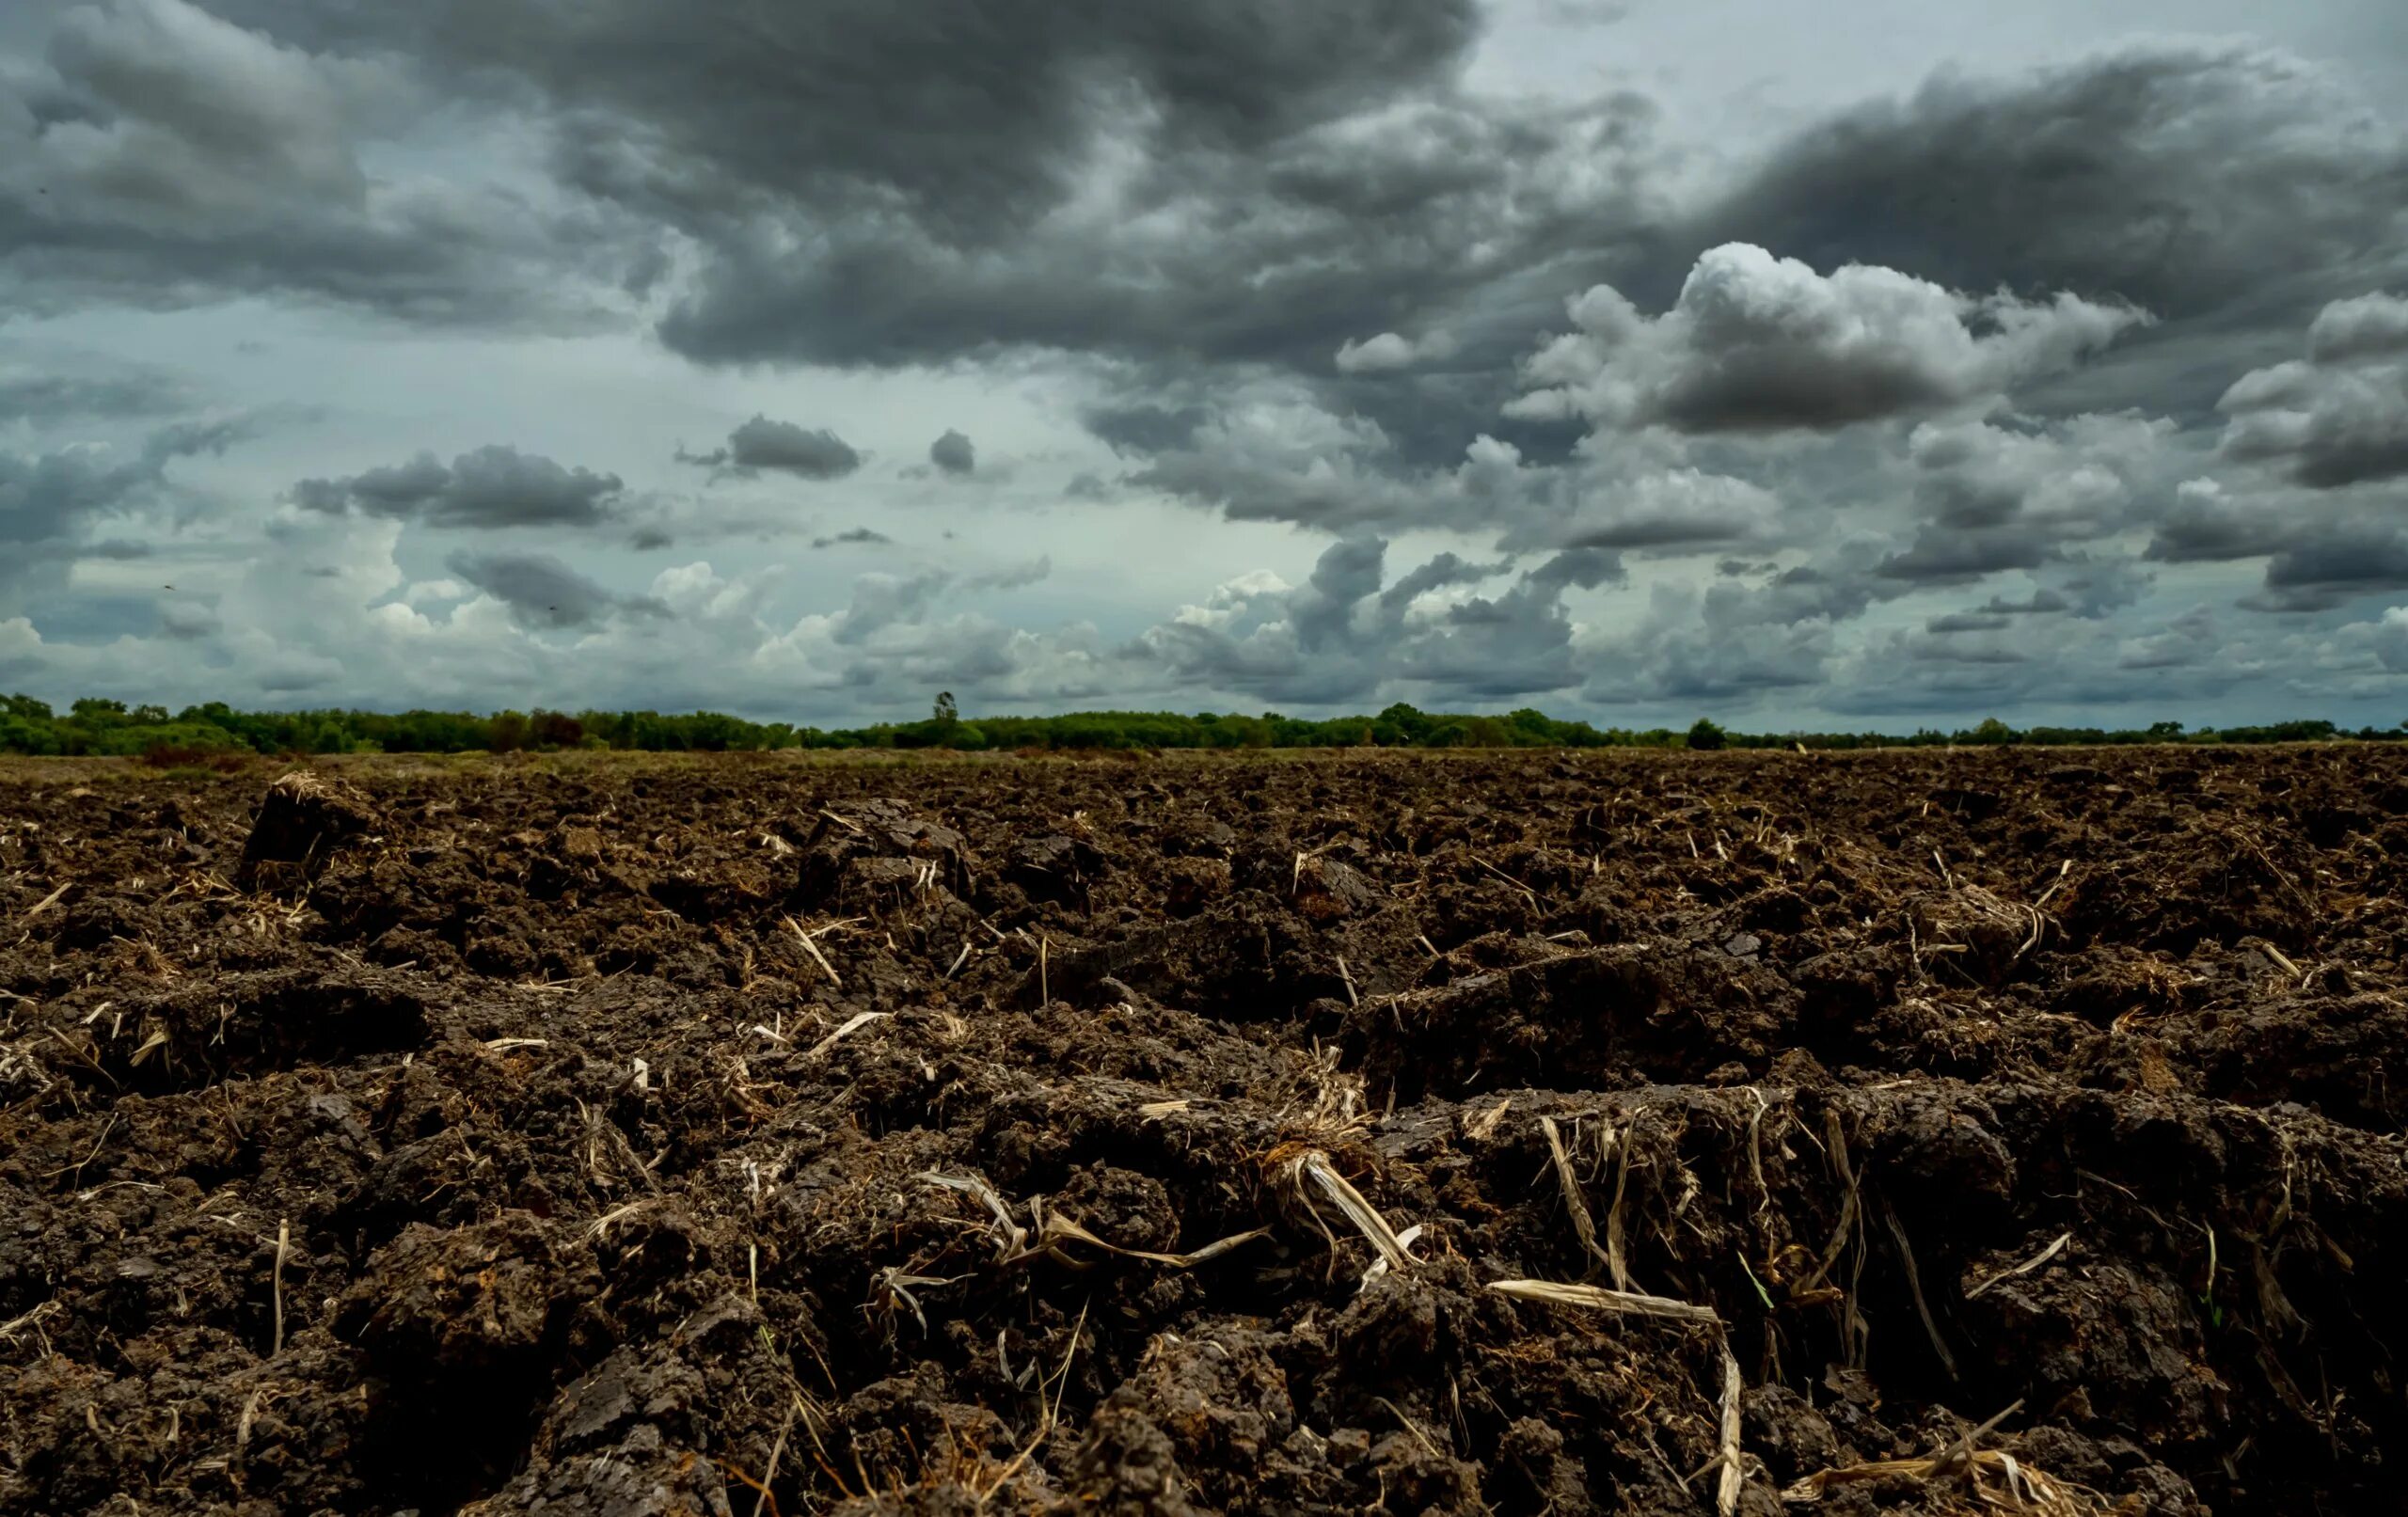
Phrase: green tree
x=1706 y=738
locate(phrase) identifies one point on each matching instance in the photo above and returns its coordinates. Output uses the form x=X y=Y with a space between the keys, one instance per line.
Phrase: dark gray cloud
x=1389 y=351
x=44 y=398
x=1945 y=555
x=1348 y=572
x=1968 y=622
x=189 y=620
x=918 y=179
x=2367 y=326
x=1944 y=649
x=2090 y=587
x=1683 y=508
x=1145 y=428
x=884 y=600
x=2340 y=416
x=1145 y=179
x=158 y=156
x=953 y=454
x=2039 y=603
x=1281 y=255
x=863 y=535
x=495 y=486
x=970 y=118
x=1517 y=644
x=49 y=502
x=1445 y=570
x=2190 y=180
x=2326 y=565
x=1283 y=457
x=2186 y=642
x=1735 y=642
x=2207 y=526
x=812 y=454
x=1990 y=498
x=543 y=591
x=1013 y=575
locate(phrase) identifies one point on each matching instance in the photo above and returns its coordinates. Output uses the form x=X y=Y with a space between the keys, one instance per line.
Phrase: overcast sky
x=1867 y=363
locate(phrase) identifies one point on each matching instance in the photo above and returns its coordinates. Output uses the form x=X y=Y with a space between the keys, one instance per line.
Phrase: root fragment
x=2025 y=1268
x=1914 y=1288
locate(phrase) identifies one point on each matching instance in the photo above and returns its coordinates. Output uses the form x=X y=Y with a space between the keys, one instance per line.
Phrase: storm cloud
x=2182 y=179
x=495 y=486
x=159 y=154
x=953 y=454
x=812 y=454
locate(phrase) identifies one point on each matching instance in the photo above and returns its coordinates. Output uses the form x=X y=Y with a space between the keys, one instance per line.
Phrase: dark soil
x=492 y=1139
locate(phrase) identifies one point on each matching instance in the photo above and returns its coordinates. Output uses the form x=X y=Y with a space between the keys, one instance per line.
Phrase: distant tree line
x=94 y=726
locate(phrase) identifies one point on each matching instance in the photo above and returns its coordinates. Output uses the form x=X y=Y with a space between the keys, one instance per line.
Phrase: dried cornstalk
x=1583 y=1226
x=1597 y=1298
x=809 y=941
x=1059 y=1226
x=14 y=1325
x=276 y=1282
x=858 y=1021
x=2018 y=1486
x=1011 y=1238
x=1726 y=1495
x=1314 y=1166
x=1484 y=1126
x=896 y=1283
x=1617 y=1266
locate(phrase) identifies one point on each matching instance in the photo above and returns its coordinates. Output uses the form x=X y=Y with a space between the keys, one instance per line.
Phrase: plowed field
x=1916 y=1132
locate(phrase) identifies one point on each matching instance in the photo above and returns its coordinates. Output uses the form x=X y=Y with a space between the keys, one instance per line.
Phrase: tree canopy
x=100 y=726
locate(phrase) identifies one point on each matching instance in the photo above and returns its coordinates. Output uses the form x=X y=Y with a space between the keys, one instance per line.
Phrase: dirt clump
x=304 y=817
